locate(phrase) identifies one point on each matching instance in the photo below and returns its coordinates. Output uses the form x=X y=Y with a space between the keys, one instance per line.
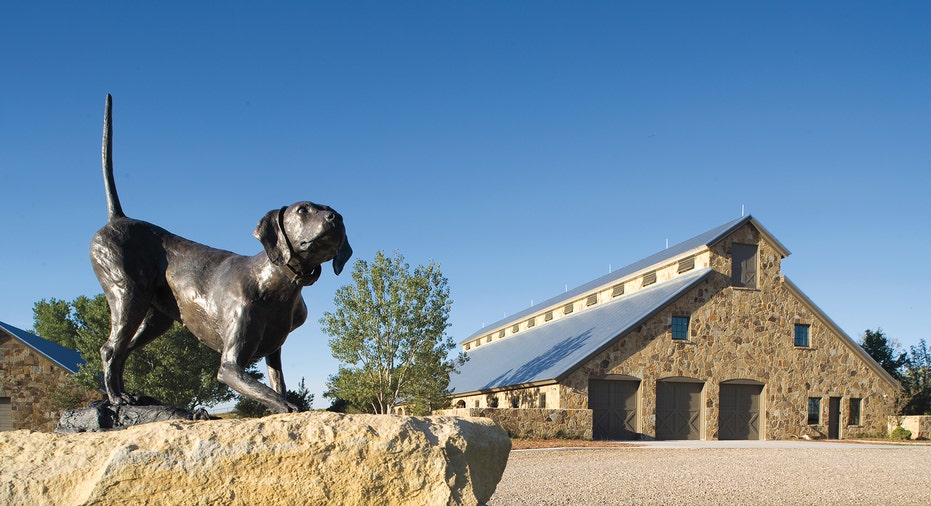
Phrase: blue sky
x=524 y=146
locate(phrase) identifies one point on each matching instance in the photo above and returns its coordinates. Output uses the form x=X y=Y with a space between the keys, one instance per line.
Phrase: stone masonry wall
x=30 y=380
x=744 y=334
x=919 y=425
x=534 y=423
x=542 y=397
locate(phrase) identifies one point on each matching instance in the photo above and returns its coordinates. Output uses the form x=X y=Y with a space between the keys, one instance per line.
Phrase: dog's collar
x=300 y=277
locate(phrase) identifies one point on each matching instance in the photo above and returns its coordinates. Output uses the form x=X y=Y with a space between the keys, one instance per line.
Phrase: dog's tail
x=114 y=210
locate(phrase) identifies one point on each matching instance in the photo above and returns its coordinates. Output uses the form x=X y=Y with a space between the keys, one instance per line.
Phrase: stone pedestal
x=297 y=458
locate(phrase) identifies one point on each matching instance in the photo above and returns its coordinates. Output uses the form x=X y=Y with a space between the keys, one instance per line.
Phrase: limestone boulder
x=298 y=458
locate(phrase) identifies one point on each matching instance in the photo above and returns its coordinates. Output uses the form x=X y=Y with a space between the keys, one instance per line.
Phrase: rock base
x=102 y=415
x=297 y=458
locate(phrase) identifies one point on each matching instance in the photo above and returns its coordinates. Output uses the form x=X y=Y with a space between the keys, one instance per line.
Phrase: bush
x=901 y=433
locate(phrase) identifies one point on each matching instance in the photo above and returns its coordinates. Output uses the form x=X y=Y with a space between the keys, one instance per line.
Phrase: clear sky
x=524 y=146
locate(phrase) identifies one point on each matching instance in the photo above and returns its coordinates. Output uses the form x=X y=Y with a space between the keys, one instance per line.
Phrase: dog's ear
x=269 y=233
x=342 y=256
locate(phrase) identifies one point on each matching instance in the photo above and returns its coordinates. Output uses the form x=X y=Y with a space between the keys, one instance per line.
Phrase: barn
x=706 y=339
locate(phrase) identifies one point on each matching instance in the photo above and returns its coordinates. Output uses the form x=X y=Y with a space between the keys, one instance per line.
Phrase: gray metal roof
x=706 y=239
x=552 y=350
x=65 y=357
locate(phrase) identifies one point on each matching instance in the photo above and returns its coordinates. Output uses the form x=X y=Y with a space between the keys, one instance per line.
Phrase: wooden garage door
x=614 y=408
x=6 y=414
x=678 y=410
x=739 y=414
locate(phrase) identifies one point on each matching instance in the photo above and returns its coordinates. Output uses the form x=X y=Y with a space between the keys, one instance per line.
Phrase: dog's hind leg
x=127 y=314
x=155 y=324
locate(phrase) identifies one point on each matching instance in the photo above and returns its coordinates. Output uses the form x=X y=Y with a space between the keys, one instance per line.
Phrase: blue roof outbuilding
x=67 y=358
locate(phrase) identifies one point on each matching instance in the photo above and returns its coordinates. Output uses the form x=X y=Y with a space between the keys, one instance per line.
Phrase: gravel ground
x=825 y=474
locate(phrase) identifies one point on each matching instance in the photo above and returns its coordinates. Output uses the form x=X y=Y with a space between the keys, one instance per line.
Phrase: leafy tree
x=389 y=333
x=175 y=369
x=917 y=380
x=302 y=398
x=884 y=351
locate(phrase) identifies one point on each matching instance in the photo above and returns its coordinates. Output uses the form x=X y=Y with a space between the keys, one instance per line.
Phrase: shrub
x=901 y=433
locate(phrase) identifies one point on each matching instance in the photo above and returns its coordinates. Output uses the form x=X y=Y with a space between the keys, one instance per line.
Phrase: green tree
x=389 y=333
x=176 y=368
x=884 y=351
x=302 y=398
x=917 y=381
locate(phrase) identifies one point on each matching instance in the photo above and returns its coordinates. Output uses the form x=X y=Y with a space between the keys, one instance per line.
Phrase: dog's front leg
x=275 y=374
x=233 y=374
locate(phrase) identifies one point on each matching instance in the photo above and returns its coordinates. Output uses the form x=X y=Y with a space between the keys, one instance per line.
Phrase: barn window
x=548 y=316
x=680 y=328
x=617 y=290
x=501 y=334
x=568 y=309
x=649 y=278
x=744 y=265
x=801 y=335
x=515 y=402
x=686 y=264
x=531 y=322
x=515 y=328
x=814 y=411
x=592 y=300
x=854 y=415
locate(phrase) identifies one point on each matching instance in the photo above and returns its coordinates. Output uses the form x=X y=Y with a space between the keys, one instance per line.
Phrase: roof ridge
x=706 y=238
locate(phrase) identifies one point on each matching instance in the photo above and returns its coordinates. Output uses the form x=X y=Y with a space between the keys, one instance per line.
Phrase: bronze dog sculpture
x=242 y=307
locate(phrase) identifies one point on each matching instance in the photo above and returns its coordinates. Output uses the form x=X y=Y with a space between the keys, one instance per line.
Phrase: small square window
x=854 y=415
x=515 y=328
x=568 y=309
x=814 y=411
x=515 y=402
x=501 y=334
x=592 y=300
x=680 y=328
x=548 y=316
x=801 y=335
x=531 y=322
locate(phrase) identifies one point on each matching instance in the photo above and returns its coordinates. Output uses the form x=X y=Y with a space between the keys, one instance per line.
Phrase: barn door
x=678 y=410
x=739 y=412
x=614 y=408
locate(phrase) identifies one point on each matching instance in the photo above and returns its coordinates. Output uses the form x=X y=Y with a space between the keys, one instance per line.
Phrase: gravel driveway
x=817 y=473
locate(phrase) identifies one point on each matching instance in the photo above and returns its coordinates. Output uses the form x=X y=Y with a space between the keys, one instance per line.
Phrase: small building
x=706 y=339
x=32 y=371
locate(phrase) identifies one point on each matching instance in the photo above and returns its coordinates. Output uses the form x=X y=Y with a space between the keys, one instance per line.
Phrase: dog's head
x=313 y=233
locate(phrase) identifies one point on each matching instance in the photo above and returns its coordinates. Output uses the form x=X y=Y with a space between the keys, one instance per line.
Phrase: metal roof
x=706 y=239
x=65 y=357
x=550 y=351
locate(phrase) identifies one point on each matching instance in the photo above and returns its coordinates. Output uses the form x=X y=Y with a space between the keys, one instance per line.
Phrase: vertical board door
x=6 y=414
x=614 y=409
x=739 y=412
x=834 y=418
x=678 y=410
